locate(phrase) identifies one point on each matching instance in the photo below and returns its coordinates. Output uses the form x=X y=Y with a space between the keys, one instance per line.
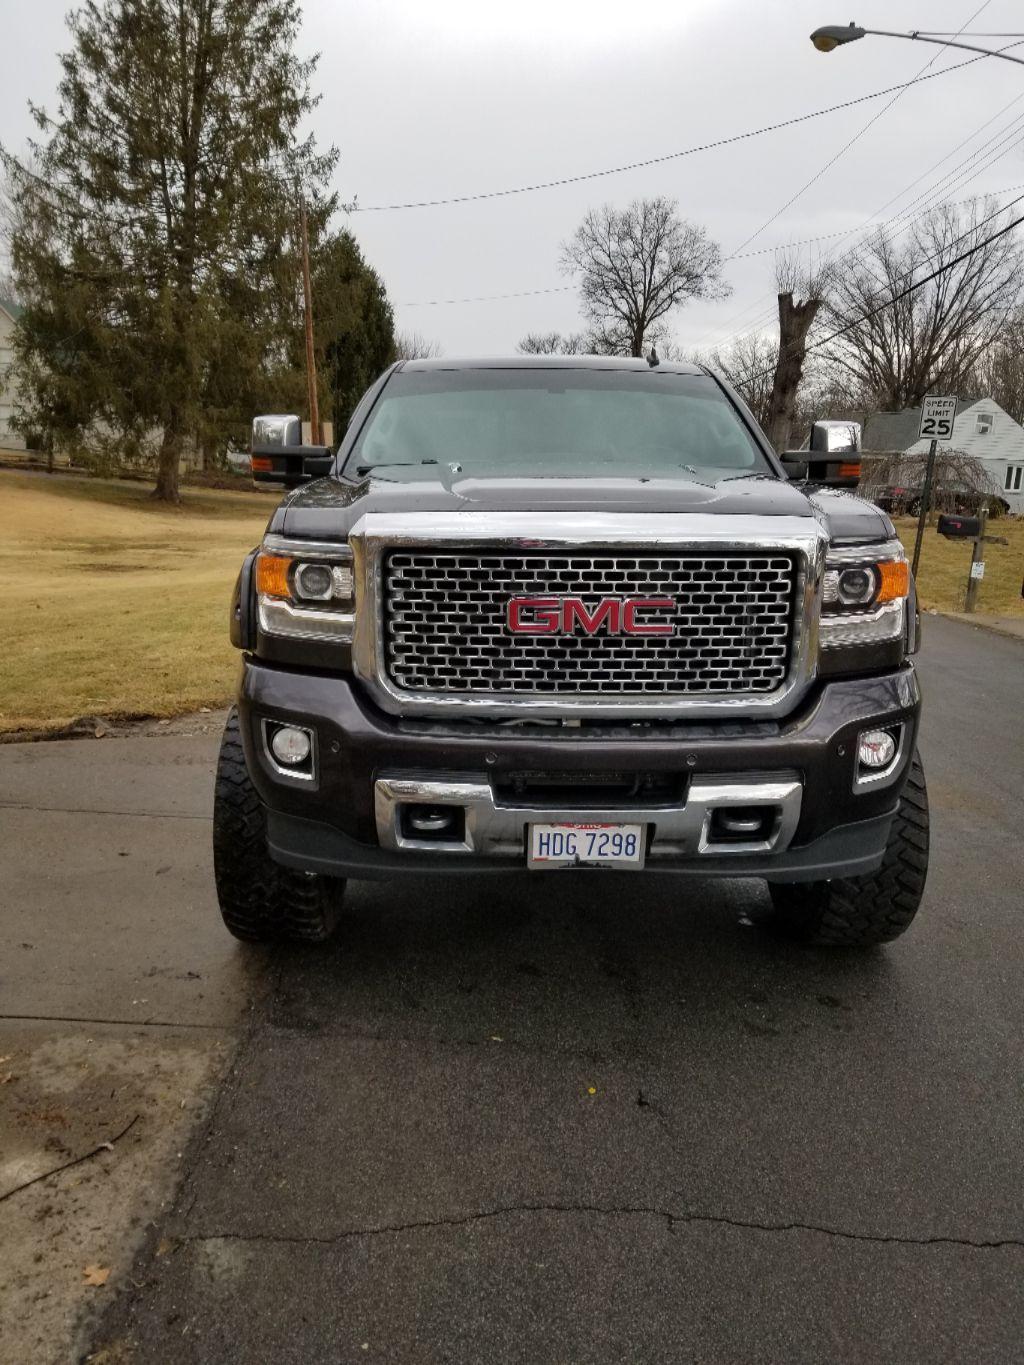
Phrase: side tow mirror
x=833 y=460
x=278 y=455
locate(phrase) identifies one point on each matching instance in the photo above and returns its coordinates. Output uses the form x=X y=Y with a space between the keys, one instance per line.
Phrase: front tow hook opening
x=428 y=824
x=743 y=824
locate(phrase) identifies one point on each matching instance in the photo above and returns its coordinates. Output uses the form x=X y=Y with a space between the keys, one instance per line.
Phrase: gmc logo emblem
x=572 y=615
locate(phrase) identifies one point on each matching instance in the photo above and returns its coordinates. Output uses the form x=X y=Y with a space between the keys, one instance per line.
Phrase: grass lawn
x=118 y=606
x=115 y=605
x=942 y=574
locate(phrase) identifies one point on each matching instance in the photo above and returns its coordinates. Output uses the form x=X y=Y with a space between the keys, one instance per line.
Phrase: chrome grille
x=445 y=623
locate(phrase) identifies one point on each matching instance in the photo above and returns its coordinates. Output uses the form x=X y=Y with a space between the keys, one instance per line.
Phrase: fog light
x=290 y=745
x=876 y=749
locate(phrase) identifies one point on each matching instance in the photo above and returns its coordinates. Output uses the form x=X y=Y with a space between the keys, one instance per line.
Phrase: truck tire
x=858 y=912
x=259 y=899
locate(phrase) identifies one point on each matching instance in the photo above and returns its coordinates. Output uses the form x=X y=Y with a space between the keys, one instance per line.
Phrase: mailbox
x=959 y=528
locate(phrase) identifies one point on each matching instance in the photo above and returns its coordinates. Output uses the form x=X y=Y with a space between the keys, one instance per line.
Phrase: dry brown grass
x=942 y=574
x=115 y=605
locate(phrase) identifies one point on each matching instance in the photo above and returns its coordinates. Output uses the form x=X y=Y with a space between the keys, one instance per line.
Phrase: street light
x=831 y=36
x=834 y=35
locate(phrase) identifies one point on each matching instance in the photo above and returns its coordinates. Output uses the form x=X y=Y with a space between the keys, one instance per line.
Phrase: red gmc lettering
x=575 y=610
x=571 y=615
x=534 y=615
x=630 y=624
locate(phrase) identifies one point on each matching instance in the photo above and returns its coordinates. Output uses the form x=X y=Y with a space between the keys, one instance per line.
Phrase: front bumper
x=343 y=821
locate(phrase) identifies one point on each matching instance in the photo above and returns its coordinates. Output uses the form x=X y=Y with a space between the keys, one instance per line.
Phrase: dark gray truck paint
x=328 y=826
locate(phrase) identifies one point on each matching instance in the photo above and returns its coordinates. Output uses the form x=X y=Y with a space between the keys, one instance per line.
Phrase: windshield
x=565 y=423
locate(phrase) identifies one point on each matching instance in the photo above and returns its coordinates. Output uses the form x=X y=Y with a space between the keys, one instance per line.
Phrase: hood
x=329 y=508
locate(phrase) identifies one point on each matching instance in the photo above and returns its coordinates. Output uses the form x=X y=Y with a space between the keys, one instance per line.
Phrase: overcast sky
x=429 y=99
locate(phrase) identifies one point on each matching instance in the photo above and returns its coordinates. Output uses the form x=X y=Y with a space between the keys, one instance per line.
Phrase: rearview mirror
x=278 y=455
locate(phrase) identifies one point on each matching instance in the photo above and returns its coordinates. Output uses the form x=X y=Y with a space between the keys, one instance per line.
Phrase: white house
x=981 y=429
x=9 y=440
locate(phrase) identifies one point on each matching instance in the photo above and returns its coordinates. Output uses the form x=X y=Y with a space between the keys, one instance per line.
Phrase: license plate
x=580 y=845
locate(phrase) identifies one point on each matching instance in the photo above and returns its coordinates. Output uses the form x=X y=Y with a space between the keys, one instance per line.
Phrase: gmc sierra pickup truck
x=574 y=613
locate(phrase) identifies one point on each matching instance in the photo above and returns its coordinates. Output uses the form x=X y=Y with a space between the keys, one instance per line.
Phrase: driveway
x=584 y=1118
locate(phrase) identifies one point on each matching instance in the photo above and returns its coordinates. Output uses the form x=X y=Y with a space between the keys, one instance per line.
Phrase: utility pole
x=307 y=291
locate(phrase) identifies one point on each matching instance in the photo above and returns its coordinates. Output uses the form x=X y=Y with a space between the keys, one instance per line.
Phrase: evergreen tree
x=355 y=324
x=153 y=237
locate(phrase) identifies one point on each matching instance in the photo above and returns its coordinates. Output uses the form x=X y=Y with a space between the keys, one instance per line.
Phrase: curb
x=1013 y=632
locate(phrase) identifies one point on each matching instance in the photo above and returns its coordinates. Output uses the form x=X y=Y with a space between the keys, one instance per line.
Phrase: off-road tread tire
x=859 y=912
x=259 y=899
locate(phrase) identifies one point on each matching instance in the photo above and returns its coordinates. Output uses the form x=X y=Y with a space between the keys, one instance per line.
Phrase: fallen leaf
x=5 y=1080
x=96 y=1274
x=591 y=1089
x=495 y=1038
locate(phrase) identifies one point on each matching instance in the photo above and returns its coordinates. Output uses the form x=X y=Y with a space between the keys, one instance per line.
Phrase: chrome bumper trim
x=494 y=830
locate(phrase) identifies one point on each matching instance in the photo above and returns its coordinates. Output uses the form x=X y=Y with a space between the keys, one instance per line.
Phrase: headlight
x=864 y=595
x=305 y=590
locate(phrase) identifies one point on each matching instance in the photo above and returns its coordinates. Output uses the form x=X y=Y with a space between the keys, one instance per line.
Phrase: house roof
x=886 y=431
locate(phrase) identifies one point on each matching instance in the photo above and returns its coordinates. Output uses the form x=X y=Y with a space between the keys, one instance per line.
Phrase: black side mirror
x=823 y=472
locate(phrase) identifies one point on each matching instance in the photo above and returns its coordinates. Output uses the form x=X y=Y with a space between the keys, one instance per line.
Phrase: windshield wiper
x=391 y=464
x=760 y=475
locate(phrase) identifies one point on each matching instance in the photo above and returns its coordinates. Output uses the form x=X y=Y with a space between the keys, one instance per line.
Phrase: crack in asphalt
x=670 y=1218
x=92 y=1019
x=89 y=810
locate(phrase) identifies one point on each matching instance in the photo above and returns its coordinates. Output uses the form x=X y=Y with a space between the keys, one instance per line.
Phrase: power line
x=992 y=150
x=762 y=251
x=847 y=145
x=489 y=298
x=655 y=160
x=903 y=293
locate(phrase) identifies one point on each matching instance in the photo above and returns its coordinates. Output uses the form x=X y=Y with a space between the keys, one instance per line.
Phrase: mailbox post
x=972 y=528
x=977 y=562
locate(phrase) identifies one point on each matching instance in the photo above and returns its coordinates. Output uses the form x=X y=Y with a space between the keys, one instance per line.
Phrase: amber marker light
x=272 y=576
x=894 y=580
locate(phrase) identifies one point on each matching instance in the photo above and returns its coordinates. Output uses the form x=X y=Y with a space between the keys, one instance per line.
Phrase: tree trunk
x=794 y=323
x=168 y=460
x=208 y=453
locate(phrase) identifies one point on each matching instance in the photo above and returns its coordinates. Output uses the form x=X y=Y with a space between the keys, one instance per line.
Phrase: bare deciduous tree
x=796 y=318
x=416 y=346
x=959 y=481
x=931 y=338
x=635 y=266
x=554 y=343
x=748 y=363
x=999 y=371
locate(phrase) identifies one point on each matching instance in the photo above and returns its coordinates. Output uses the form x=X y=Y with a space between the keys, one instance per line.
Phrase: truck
x=548 y=615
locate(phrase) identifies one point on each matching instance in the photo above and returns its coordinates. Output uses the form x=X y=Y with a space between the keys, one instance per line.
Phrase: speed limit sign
x=937 y=419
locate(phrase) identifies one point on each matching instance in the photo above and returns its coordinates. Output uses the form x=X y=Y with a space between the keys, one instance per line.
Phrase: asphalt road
x=582 y=1118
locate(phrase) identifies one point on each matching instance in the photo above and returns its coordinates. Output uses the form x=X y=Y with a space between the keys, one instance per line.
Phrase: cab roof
x=553 y=362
